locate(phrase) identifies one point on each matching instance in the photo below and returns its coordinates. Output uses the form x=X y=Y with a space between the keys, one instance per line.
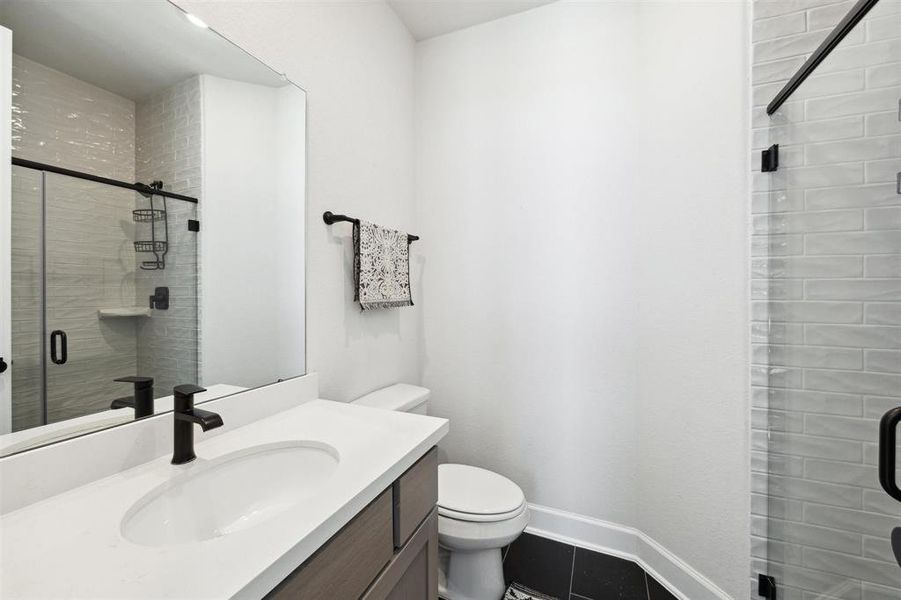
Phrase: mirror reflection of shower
x=104 y=270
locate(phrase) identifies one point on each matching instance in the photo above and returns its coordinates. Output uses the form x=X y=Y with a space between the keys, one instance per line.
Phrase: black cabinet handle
x=888 y=431
x=3 y=365
x=63 y=355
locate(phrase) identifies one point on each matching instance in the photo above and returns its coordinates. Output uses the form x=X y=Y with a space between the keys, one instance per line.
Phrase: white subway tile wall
x=64 y=121
x=826 y=301
x=168 y=148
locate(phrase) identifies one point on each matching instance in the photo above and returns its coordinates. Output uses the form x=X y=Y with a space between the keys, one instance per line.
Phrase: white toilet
x=479 y=512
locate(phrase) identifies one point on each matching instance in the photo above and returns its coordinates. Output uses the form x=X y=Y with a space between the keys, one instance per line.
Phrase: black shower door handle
x=60 y=357
x=888 y=433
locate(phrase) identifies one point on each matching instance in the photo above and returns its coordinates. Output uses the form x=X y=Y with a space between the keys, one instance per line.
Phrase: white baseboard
x=625 y=542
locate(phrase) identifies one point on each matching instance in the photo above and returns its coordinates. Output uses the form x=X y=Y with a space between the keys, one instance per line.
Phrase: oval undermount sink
x=230 y=493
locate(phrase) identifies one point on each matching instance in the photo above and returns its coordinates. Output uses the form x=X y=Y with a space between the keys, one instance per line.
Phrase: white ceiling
x=129 y=48
x=428 y=18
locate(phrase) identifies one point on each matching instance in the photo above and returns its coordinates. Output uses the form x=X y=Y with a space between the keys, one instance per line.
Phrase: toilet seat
x=476 y=495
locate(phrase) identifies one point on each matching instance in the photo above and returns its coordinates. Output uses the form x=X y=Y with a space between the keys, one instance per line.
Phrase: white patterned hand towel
x=381 y=267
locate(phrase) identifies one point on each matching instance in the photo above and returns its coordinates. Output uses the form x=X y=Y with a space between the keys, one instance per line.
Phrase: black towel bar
x=331 y=218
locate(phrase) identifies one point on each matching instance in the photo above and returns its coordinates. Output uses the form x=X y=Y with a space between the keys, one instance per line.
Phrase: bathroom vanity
x=322 y=500
x=388 y=551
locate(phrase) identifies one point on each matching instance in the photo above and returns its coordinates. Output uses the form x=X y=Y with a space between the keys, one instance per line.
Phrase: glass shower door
x=90 y=273
x=827 y=326
x=26 y=365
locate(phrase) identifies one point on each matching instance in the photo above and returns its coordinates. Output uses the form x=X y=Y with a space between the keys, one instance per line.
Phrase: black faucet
x=142 y=401
x=186 y=416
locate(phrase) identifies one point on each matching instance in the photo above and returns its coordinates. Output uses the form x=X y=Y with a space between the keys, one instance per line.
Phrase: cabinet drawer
x=415 y=495
x=345 y=566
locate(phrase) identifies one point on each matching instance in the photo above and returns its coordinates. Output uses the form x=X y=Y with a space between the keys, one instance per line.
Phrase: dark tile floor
x=570 y=573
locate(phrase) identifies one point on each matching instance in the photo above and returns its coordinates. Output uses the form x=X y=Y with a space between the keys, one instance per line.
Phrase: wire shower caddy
x=156 y=245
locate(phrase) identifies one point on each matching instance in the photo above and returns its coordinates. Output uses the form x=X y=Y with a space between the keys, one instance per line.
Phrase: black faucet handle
x=139 y=381
x=188 y=389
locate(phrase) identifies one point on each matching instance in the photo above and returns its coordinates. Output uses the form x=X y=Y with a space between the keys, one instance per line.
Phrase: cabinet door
x=413 y=572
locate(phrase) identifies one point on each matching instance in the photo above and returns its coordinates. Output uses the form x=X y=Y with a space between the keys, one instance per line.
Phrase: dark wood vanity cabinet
x=389 y=551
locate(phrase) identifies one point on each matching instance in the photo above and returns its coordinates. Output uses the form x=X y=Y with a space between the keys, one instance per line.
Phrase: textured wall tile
x=813 y=131
x=884 y=265
x=853 y=150
x=856 y=336
x=808 y=356
x=777 y=201
x=877 y=501
x=875 y=407
x=777 y=245
x=816 y=537
x=814 y=491
x=884 y=27
x=883 y=123
x=828 y=16
x=812 y=446
x=848 y=197
x=854 y=289
x=850 y=566
x=854 y=428
x=807 y=266
x=872 y=591
x=773 y=27
x=810 y=222
x=816 y=86
x=877 y=384
x=861 y=56
x=777 y=420
x=882 y=171
x=776 y=289
x=884 y=76
x=819 y=312
x=807 y=401
x=853 y=243
x=777 y=377
x=855 y=103
x=886 y=361
x=852 y=520
x=777 y=70
x=885 y=218
x=822 y=176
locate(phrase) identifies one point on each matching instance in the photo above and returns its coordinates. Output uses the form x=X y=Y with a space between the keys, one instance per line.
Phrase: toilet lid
x=465 y=491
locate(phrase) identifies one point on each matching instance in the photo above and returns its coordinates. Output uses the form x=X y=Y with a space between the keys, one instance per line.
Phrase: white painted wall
x=356 y=62
x=692 y=245
x=253 y=139
x=582 y=199
x=526 y=145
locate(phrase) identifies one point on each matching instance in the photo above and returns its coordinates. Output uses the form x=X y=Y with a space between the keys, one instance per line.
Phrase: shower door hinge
x=766 y=586
x=770 y=159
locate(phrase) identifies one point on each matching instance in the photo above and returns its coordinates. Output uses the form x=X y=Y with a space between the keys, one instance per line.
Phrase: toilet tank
x=400 y=396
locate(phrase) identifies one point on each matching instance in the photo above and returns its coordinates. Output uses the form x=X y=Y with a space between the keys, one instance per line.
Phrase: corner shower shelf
x=123 y=312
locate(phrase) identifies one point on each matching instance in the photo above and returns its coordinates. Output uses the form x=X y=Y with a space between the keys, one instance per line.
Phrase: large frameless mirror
x=157 y=217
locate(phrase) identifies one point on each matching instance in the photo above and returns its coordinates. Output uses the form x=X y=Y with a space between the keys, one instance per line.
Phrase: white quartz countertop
x=71 y=546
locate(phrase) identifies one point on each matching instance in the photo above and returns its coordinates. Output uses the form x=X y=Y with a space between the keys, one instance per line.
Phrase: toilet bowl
x=479 y=512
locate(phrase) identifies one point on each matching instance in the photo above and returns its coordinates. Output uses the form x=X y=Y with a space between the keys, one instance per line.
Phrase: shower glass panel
x=26 y=369
x=87 y=257
x=827 y=325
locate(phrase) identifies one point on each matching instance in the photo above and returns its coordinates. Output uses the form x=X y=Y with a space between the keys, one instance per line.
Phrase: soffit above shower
x=429 y=18
x=106 y=44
